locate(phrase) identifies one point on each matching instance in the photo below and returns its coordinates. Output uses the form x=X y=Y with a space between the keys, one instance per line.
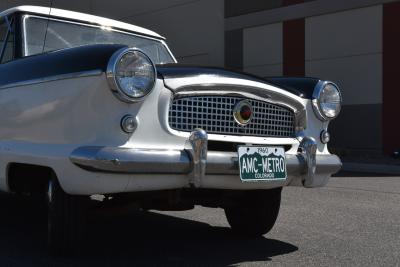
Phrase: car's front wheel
x=65 y=220
x=254 y=212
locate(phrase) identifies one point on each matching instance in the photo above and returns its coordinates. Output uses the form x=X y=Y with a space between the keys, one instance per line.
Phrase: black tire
x=254 y=212
x=65 y=220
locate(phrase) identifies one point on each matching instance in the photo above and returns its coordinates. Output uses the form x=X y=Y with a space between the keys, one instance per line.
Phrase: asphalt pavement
x=354 y=221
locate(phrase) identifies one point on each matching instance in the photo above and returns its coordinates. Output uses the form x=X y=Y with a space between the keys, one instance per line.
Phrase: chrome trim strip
x=169 y=51
x=126 y=160
x=52 y=78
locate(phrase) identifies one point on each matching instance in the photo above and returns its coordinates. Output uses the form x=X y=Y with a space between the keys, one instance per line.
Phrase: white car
x=92 y=108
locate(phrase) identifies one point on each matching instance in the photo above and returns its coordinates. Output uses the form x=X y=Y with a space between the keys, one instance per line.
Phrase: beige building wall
x=262 y=50
x=346 y=47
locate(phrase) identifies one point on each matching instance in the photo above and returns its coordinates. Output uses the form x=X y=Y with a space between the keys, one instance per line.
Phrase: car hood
x=299 y=86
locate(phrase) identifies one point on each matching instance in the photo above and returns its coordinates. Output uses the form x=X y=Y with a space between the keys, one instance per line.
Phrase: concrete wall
x=262 y=50
x=346 y=47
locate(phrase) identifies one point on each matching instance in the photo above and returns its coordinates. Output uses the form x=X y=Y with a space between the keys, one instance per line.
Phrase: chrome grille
x=214 y=114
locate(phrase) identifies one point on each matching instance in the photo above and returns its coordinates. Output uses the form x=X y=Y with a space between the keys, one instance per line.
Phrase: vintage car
x=94 y=110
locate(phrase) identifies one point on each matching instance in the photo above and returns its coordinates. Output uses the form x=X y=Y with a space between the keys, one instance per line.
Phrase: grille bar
x=214 y=114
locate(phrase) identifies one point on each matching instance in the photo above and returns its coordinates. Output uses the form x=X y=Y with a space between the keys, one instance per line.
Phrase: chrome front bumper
x=304 y=168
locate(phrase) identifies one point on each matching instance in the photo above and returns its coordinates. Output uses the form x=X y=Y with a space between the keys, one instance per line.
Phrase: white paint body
x=42 y=126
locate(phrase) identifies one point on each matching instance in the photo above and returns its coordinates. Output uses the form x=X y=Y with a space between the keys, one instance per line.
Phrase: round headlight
x=131 y=74
x=327 y=101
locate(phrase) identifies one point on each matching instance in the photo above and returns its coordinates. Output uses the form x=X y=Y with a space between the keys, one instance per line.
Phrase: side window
x=6 y=40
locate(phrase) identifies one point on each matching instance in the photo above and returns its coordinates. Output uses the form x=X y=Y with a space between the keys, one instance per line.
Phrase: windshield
x=64 y=34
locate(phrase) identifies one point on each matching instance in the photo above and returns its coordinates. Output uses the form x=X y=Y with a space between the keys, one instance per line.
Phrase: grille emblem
x=243 y=112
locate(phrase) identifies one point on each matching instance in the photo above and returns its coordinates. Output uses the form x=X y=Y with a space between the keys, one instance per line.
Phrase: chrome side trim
x=169 y=51
x=125 y=160
x=52 y=78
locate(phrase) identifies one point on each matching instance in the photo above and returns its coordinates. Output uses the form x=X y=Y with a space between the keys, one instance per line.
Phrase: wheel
x=254 y=212
x=65 y=220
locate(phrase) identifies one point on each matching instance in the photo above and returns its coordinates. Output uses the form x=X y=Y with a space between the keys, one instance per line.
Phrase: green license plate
x=262 y=163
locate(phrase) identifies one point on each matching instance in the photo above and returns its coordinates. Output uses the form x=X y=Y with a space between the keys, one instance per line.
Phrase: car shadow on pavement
x=138 y=238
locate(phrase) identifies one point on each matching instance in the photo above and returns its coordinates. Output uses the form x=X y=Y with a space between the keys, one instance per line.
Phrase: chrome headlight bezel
x=316 y=101
x=115 y=87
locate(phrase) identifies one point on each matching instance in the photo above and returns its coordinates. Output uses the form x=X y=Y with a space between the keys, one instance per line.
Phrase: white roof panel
x=60 y=13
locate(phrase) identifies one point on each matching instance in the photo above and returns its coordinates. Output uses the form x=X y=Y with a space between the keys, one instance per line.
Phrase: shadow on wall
x=140 y=238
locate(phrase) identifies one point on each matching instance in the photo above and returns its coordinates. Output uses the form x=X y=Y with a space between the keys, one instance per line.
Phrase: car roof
x=66 y=14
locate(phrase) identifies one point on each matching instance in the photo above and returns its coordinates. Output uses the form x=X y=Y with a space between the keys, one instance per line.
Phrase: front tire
x=65 y=220
x=254 y=212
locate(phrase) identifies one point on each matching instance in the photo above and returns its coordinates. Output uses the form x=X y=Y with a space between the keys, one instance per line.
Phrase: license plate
x=262 y=163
